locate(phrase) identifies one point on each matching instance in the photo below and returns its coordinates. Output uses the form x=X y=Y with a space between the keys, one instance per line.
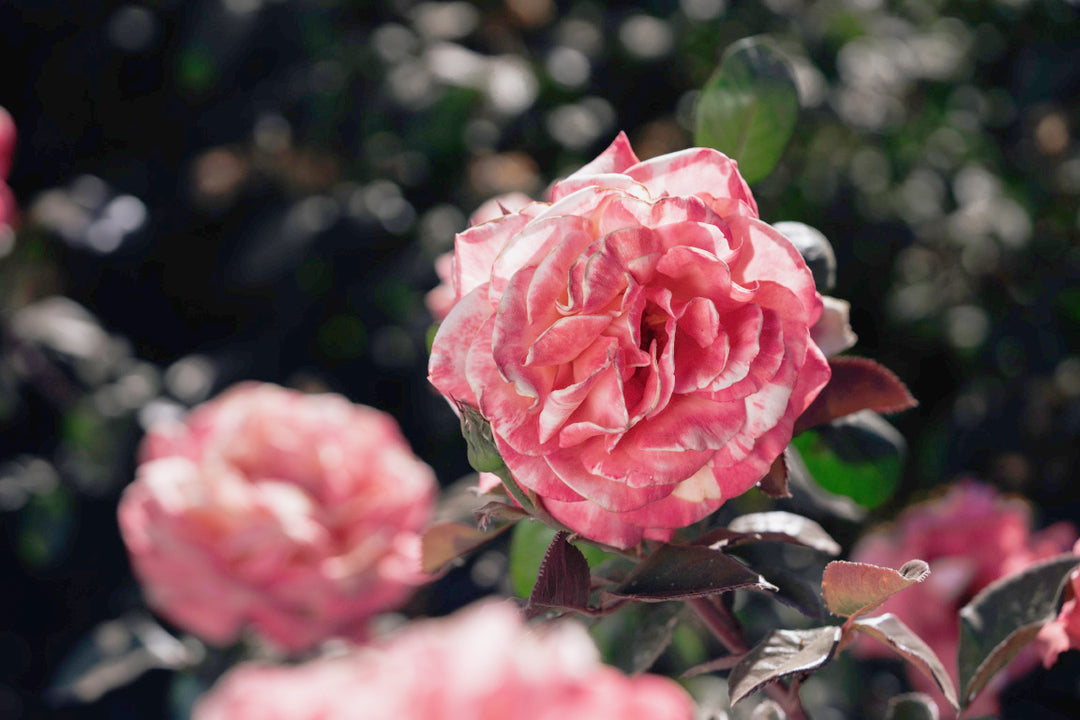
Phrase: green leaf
x=899 y=638
x=912 y=706
x=856 y=384
x=749 y=106
x=859 y=456
x=678 y=572
x=1004 y=617
x=852 y=588
x=782 y=653
x=529 y=544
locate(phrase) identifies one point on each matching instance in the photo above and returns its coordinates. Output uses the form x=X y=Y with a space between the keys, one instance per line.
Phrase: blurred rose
x=1064 y=632
x=9 y=210
x=640 y=345
x=295 y=514
x=971 y=537
x=481 y=663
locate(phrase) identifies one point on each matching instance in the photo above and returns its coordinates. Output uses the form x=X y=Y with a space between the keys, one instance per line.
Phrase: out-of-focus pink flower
x=640 y=345
x=298 y=515
x=970 y=537
x=9 y=210
x=7 y=142
x=483 y=663
x=1064 y=632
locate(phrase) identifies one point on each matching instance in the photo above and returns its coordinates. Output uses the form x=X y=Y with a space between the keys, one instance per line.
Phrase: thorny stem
x=726 y=628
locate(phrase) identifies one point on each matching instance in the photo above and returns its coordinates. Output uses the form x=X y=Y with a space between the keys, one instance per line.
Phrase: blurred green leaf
x=1004 y=617
x=749 y=106
x=45 y=524
x=859 y=456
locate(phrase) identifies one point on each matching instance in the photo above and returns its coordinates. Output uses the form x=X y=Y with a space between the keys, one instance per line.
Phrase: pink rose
x=971 y=537
x=1063 y=633
x=441 y=299
x=640 y=344
x=7 y=142
x=9 y=210
x=482 y=662
x=296 y=514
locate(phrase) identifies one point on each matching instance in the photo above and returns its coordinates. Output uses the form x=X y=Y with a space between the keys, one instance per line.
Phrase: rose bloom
x=970 y=537
x=1064 y=632
x=298 y=515
x=640 y=345
x=9 y=210
x=483 y=663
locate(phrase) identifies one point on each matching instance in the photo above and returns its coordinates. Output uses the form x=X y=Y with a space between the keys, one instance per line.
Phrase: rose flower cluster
x=640 y=344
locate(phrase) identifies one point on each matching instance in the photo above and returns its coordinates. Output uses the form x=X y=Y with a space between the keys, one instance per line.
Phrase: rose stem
x=727 y=630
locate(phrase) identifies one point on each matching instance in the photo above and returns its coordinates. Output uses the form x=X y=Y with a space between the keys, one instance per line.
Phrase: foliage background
x=218 y=190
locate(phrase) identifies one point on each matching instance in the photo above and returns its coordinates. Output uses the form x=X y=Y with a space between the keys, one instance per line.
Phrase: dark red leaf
x=856 y=384
x=677 y=572
x=563 y=581
x=774 y=484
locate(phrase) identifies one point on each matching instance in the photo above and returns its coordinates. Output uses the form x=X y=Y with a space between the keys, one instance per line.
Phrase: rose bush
x=640 y=344
x=970 y=537
x=482 y=662
x=1064 y=632
x=295 y=514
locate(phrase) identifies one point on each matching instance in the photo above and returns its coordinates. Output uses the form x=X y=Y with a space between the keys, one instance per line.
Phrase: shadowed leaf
x=856 y=384
x=900 y=639
x=851 y=588
x=749 y=106
x=794 y=592
x=1004 y=617
x=654 y=635
x=563 y=580
x=815 y=249
x=676 y=572
x=782 y=653
x=778 y=526
x=912 y=706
